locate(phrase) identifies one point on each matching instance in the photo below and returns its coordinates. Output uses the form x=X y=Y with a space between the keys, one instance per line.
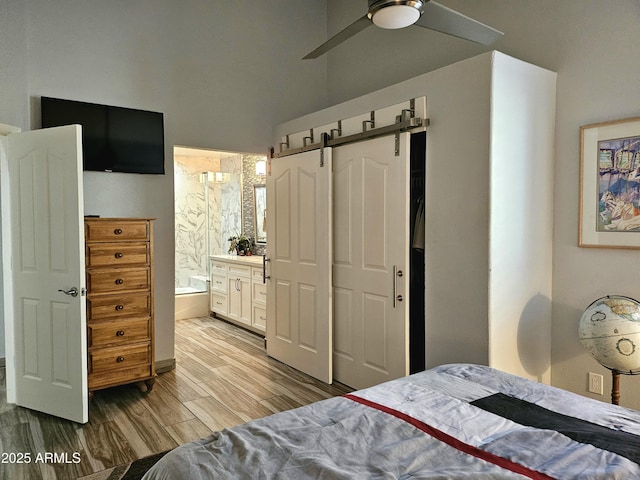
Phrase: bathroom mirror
x=260 y=215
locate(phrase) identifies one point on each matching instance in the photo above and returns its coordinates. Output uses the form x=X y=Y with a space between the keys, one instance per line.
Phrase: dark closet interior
x=416 y=256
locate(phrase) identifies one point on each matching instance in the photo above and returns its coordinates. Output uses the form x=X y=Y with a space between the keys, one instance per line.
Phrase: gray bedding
x=454 y=421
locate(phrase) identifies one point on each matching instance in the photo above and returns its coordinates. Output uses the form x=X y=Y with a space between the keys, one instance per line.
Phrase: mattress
x=455 y=421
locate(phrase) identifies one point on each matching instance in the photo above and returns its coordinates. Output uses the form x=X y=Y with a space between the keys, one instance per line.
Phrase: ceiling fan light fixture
x=396 y=16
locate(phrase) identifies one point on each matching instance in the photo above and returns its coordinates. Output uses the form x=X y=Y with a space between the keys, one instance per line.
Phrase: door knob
x=73 y=291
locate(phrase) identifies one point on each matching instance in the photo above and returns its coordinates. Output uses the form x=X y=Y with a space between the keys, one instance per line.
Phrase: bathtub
x=192 y=301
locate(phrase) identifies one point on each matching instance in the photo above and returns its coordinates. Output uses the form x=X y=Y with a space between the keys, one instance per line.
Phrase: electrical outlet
x=595 y=383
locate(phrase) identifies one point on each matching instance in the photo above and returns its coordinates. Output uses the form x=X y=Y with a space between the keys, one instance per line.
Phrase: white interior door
x=299 y=323
x=47 y=241
x=371 y=261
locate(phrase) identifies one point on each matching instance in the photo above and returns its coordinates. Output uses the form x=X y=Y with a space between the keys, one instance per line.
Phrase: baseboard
x=167 y=365
x=244 y=327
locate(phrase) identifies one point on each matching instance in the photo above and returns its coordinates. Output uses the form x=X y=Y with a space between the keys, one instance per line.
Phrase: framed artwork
x=610 y=184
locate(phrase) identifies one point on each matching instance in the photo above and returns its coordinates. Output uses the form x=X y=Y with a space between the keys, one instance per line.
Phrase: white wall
x=13 y=87
x=592 y=44
x=13 y=65
x=222 y=72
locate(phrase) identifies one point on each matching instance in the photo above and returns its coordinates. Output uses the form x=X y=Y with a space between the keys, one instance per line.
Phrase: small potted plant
x=241 y=244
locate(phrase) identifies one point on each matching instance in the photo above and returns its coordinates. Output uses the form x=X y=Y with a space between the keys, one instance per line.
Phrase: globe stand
x=615 y=387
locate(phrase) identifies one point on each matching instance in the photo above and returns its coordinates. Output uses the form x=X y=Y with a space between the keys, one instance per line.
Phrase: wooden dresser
x=120 y=326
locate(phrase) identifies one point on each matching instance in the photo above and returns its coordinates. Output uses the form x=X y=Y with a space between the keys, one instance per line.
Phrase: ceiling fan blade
x=356 y=27
x=443 y=19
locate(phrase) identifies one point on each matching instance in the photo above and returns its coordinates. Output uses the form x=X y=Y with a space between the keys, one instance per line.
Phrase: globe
x=610 y=331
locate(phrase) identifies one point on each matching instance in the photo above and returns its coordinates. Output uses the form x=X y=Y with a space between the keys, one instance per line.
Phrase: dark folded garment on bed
x=525 y=413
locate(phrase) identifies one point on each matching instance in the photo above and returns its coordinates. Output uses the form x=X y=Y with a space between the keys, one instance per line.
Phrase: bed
x=455 y=421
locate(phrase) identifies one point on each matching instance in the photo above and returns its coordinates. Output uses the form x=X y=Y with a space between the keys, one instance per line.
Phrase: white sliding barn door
x=299 y=313
x=371 y=261
x=47 y=241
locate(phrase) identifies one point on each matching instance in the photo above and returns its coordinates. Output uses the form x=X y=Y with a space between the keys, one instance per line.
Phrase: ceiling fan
x=394 y=14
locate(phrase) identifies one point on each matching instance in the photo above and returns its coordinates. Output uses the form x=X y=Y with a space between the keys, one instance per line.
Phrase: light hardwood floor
x=223 y=377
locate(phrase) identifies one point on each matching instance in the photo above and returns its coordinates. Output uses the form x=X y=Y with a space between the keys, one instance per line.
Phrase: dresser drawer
x=125 y=305
x=259 y=317
x=257 y=274
x=117 y=254
x=111 y=231
x=218 y=268
x=239 y=270
x=218 y=283
x=259 y=293
x=115 y=280
x=219 y=303
x=119 y=376
x=118 y=331
x=114 y=359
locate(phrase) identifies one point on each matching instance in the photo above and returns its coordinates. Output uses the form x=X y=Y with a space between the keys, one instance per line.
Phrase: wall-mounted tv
x=114 y=139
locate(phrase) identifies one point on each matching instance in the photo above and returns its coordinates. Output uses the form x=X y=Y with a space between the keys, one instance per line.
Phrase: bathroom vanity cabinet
x=238 y=292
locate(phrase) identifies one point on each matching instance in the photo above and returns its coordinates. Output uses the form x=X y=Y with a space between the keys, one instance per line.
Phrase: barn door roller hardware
x=405 y=124
x=337 y=131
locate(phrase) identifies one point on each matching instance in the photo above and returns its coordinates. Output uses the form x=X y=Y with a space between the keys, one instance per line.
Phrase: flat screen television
x=114 y=139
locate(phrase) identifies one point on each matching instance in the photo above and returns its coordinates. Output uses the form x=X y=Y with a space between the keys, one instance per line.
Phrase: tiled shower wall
x=191 y=212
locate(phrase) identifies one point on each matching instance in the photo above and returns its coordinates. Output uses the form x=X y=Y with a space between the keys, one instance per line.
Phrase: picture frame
x=610 y=184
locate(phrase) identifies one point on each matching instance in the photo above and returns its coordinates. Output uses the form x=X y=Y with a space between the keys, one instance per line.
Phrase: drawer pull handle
x=118 y=231
x=120 y=333
x=119 y=307
x=118 y=255
x=119 y=281
x=120 y=359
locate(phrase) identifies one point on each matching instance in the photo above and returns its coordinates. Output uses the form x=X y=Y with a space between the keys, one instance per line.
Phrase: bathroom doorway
x=213 y=194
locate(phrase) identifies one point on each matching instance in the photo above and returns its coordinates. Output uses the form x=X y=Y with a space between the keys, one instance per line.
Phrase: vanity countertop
x=244 y=260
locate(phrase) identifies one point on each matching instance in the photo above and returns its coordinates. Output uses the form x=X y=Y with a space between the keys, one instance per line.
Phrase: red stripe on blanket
x=452 y=441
